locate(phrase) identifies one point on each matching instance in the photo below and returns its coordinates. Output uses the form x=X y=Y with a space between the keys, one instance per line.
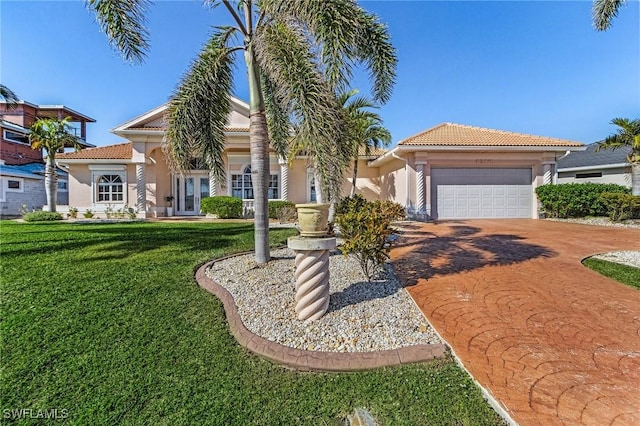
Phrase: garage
x=474 y=193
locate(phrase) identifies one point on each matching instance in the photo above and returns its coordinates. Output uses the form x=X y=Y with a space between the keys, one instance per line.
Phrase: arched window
x=110 y=188
x=241 y=185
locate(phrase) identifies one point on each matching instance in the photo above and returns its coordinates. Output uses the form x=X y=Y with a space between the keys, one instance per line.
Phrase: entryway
x=190 y=190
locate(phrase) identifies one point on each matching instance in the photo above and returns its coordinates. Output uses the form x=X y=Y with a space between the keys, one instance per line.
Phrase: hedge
x=41 y=216
x=576 y=199
x=223 y=206
x=621 y=206
x=282 y=210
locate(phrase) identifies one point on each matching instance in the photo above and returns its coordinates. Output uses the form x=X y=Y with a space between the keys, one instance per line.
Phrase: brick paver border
x=310 y=360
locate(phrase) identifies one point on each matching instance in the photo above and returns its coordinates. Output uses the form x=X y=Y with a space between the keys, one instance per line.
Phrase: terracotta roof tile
x=109 y=152
x=451 y=134
x=373 y=152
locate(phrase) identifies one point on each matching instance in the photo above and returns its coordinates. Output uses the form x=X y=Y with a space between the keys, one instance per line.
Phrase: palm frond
x=277 y=119
x=199 y=109
x=8 y=96
x=287 y=61
x=52 y=135
x=123 y=21
x=345 y=35
x=603 y=12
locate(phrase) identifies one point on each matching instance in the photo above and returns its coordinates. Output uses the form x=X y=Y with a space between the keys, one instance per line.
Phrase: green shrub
x=88 y=214
x=41 y=216
x=284 y=211
x=73 y=213
x=621 y=206
x=223 y=206
x=575 y=199
x=365 y=229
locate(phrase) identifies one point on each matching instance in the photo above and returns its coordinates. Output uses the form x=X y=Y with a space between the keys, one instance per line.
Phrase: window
x=588 y=175
x=311 y=186
x=13 y=184
x=16 y=137
x=241 y=185
x=110 y=188
x=62 y=185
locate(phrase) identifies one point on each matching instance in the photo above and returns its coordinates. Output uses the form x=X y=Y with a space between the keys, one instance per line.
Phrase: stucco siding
x=619 y=176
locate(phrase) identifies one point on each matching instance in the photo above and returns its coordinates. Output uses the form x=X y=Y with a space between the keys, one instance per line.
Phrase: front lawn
x=622 y=273
x=105 y=323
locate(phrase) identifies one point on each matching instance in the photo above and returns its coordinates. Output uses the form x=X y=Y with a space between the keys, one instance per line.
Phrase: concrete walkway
x=554 y=342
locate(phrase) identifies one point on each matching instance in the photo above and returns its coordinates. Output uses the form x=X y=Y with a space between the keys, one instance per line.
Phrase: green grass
x=106 y=321
x=622 y=273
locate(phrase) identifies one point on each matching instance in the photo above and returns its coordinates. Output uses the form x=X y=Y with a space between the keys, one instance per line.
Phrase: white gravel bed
x=362 y=316
x=600 y=221
x=631 y=258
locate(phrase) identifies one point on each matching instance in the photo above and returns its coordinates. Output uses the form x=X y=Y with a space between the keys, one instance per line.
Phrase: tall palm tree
x=364 y=128
x=8 y=96
x=52 y=135
x=297 y=53
x=604 y=11
x=628 y=135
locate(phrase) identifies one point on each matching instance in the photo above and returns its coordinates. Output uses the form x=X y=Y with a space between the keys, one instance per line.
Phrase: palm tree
x=297 y=53
x=604 y=11
x=364 y=128
x=8 y=96
x=52 y=135
x=628 y=136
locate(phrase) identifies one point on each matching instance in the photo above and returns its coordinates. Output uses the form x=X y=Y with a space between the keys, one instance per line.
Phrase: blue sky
x=527 y=66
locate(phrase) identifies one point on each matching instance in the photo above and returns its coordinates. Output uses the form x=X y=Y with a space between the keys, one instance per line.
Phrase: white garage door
x=473 y=193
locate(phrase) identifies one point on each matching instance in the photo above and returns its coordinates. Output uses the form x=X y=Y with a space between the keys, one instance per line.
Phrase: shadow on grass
x=461 y=249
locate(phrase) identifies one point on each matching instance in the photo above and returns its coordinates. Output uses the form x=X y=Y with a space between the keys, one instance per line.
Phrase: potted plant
x=169 y=199
x=313 y=219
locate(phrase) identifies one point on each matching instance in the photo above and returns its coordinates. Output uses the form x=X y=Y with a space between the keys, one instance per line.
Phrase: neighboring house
x=604 y=166
x=22 y=188
x=449 y=171
x=21 y=167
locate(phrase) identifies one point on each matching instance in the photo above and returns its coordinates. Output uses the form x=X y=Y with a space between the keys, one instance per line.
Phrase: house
x=604 y=166
x=450 y=171
x=21 y=167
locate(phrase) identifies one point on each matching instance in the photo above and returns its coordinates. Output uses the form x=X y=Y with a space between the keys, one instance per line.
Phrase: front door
x=190 y=190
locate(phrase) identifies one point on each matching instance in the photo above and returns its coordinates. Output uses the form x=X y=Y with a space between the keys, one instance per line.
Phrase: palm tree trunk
x=259 y=143
x=635 y=179
x=51 y=183
x=353 y=179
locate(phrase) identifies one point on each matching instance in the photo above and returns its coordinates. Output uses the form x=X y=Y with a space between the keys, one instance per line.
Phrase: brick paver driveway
x=553 y=341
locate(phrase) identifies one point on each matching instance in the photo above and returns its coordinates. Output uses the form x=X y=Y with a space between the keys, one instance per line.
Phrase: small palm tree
x=604 y=11
x=52 y=135
x=628 y=136
x=364 y=128
x=297 y=54
x=9 y=97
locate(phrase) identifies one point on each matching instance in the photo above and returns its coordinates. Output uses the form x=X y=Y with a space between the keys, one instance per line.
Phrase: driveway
x=554 y=342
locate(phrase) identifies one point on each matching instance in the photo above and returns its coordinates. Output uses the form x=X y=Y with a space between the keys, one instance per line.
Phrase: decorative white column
x=141 y=188
x=420 y=187
x=547 y=172
x=213 y=185
x=312 y=275
x=284 y=179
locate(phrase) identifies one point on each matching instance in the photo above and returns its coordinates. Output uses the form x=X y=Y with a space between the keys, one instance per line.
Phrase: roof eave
x=592 y=167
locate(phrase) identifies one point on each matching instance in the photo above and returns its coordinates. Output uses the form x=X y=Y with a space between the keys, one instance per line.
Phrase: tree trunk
x=353 y=179
x=51 y=183
x=259 y=143
x=635 y=179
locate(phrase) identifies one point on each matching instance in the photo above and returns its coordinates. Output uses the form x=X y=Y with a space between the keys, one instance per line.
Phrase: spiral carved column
x=312 y=275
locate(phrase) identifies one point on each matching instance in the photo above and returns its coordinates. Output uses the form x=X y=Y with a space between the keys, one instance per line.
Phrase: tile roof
x=109 y=152
x=451 y=134
x=590 y=157
x=373 y=152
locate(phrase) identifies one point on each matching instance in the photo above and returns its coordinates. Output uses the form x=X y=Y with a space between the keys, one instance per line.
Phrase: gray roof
x=590 y=157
